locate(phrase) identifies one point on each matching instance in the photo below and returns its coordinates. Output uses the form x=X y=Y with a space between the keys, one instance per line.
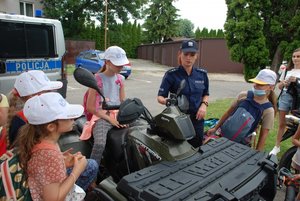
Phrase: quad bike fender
x=107 y=190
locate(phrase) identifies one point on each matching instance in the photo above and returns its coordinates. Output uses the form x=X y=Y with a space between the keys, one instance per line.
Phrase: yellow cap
x=4 y=101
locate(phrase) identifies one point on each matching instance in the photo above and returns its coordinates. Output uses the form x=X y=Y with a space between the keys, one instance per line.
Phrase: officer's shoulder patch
x=201 y=70
x=172 y=70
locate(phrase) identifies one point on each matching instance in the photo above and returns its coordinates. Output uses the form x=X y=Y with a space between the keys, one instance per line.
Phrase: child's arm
x=223 y=118
x=263 y=134
x=122 y=93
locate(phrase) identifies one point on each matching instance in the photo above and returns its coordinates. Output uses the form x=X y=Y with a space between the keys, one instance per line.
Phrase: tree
x=75 y=13
x=161 y=20
x=204 y=33
x=262 y=33
x=197 y=33
x=220 y=33
x=185 y=28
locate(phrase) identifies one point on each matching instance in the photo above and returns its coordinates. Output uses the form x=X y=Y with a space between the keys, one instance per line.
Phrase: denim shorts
x=285 y=102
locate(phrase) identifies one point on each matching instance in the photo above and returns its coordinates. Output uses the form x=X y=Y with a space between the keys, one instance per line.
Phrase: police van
x=30 y=43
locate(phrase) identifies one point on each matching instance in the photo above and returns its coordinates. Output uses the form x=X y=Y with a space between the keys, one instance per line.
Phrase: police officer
x=196 y=88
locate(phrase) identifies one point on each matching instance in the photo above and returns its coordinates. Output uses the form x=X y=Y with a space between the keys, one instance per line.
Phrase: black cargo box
x=222 y=170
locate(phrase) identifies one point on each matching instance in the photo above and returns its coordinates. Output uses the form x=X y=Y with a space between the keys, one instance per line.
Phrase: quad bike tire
x=286 y=159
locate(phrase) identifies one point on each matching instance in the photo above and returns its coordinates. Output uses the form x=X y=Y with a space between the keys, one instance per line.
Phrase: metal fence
x=74 y=47
x=213 y=55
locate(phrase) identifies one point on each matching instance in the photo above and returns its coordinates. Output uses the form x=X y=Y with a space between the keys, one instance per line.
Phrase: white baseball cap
x=34 y=81
x=265 y=76
x=48 y=107
x=116 y=55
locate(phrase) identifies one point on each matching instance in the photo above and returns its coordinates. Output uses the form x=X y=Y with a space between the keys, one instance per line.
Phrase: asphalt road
x=144 y=82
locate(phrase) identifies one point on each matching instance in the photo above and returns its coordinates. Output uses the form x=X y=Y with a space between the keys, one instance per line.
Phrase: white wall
x=13 y=7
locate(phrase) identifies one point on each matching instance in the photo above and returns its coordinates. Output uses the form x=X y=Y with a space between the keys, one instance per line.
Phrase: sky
x=203 y=13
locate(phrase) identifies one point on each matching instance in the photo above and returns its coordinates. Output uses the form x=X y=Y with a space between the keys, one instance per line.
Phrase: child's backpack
x=100 y=85
x=244 y=120
x=13 y=183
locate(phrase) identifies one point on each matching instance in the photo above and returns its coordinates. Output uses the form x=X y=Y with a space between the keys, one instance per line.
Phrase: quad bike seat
x=115 y=142
x=117 y=157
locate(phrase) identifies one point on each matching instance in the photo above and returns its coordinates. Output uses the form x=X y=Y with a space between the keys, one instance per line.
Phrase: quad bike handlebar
x=287 y=178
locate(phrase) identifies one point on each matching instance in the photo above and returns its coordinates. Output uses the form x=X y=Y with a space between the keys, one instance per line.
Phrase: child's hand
x=211 y=132
x=80 y=163
x=68 y=157
x=115 y=123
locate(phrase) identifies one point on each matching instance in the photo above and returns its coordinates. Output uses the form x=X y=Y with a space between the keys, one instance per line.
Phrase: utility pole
x=105 y=25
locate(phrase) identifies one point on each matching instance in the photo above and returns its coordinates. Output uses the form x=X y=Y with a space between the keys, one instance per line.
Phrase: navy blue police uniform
x=197 y=86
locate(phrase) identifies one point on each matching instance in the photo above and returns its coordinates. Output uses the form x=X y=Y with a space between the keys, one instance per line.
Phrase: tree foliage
x=205 y=33
x=126 y=35
x=161 y=20
x=262 y=33
x=74 y=14
x=185 y=28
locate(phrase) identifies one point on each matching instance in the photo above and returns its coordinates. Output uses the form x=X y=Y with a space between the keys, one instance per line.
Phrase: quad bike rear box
x=221 y=170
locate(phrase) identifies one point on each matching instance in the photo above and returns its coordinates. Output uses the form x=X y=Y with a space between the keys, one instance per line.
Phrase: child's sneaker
x=275 y=150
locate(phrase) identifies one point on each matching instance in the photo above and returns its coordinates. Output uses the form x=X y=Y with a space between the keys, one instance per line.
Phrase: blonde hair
x=103 y=68
x=16 y=104
x=179 y=57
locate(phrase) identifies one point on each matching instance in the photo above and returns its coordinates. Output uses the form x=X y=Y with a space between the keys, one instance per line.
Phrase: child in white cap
x=262 y=93
x=49 y=115
x=113 y=89
x=3 y=120
x=27 y=84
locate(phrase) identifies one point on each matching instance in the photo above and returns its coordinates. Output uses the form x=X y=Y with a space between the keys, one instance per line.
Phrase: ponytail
x=103 y=68
x=179 y=58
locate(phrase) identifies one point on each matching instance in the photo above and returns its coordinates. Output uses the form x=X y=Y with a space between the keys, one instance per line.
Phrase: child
x=263 y=94
x=48 y=116
x=27 y=84
x=3 y=119
x=113 y=90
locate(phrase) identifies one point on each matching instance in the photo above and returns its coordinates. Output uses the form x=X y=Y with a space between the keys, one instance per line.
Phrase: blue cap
x=189 y=46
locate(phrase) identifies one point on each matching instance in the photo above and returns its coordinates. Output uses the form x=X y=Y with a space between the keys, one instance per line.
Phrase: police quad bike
x=152 y=160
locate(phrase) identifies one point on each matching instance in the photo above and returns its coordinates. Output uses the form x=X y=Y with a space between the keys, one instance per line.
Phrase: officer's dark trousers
x=199 y=129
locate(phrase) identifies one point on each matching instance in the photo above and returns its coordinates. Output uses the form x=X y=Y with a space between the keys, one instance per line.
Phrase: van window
x=30 y=43
x=29 y=40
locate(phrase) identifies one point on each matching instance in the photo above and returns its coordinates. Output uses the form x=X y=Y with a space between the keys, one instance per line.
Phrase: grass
x=217 y=108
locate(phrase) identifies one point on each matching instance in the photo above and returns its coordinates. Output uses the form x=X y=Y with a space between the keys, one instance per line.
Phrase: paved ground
x=158 y=69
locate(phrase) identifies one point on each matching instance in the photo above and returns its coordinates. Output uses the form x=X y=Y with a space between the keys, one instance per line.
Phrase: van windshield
x=20 y=40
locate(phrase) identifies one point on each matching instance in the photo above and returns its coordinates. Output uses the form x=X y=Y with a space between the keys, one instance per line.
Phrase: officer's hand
x=201 y=113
